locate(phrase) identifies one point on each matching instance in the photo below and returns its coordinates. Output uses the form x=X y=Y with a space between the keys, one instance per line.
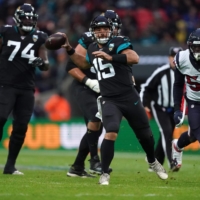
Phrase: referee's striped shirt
x=159 y=88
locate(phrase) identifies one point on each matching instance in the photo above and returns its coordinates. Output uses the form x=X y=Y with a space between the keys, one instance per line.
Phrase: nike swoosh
x=136 y=103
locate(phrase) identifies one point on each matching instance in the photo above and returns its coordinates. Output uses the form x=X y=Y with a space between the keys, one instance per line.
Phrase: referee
x=157 y=97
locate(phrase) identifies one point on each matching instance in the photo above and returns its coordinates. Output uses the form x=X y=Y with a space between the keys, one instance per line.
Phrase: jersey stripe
x=80 y=41
x=123 y=46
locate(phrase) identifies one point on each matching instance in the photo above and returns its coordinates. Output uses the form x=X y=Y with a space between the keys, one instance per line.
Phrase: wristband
x=119 y=58
x=71 y=52
x=84 y=79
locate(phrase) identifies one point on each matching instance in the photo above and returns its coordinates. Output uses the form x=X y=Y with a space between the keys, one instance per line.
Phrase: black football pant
x=194 y=120
x=166 y=125
x=132 y=109
x=87 y=102
x=20 y=103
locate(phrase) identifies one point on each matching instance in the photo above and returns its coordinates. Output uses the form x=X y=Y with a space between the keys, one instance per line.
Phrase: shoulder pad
x=181 y=58
x=4 y=28
x=41 y=34
x=85 y=39
x=87 y=34
x=120 y=43
x=122 y=38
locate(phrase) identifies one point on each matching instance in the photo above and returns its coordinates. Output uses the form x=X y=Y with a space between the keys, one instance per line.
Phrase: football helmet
x=194 y=44
x=25 y=17
x=115 y=19
x=101 y=21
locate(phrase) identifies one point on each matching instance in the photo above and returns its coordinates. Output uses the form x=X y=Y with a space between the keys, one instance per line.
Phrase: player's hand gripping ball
x=55 y=41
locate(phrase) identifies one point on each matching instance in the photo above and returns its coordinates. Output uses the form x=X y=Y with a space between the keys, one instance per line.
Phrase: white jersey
x=192 y=75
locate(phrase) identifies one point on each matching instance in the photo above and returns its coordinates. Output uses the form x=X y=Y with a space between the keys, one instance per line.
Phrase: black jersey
x=85 y=40
x=16 y=54
x=115 y=79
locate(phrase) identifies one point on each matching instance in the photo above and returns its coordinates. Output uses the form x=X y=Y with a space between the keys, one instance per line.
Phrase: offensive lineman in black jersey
x=22 y=50
x=112 y=58
x=86 y=87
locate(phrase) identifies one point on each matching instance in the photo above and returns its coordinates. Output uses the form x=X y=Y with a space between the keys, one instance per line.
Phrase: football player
x=22 y=50
x=86 y=87
x=187 y=73
x=112 y=58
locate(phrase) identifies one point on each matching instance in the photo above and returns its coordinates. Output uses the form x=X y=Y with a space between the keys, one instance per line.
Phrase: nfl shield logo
x=35 y=38
x=111 y=46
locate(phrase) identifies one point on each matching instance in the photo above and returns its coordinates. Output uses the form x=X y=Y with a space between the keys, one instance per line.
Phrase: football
x=55 y=41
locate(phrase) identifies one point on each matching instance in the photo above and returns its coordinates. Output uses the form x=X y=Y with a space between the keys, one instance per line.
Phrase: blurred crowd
x=145 y=22
x=155 y=20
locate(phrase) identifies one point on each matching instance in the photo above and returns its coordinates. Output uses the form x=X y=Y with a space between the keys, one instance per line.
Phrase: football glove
x=93 y=84
x=177 y=117
x=37 y=62
x=99 y=113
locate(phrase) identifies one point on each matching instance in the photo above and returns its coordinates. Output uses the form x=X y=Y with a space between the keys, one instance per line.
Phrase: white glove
x=99 y=113
x=93 y=84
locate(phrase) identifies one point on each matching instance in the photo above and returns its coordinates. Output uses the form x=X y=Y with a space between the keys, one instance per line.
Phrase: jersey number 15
x=99 y=66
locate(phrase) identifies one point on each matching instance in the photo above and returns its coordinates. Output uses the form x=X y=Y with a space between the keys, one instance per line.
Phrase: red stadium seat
x=143 y=18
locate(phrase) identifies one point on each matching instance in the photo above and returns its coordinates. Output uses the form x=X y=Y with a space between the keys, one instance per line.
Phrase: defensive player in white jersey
x=187 y=72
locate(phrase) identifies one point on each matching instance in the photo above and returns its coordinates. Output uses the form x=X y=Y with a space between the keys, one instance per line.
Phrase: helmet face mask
x=195 y=49
x=25 y=17
x=102 y=40
x=194 y=44
x=98 y=23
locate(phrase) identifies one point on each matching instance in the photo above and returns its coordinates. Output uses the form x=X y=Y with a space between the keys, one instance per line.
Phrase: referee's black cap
x=174 y=50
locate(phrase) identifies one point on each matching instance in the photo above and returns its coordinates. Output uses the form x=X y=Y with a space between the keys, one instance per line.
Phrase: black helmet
x=25 y=17
x=194 y=44
x=101 y=21
x=115 y=19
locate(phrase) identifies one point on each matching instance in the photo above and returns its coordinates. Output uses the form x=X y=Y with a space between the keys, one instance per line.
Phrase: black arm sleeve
x=149 y=89
x=70 y=65
x=178 y=89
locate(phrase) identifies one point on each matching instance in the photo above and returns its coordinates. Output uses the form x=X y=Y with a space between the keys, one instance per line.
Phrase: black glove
x=37 y=62
x=178 y=116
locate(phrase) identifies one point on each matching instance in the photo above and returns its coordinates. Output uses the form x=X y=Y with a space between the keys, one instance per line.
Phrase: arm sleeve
x=148 y=89
x=178 y=89
x=70 y=65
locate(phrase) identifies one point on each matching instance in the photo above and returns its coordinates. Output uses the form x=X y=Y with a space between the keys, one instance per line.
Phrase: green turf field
x=45 y=179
